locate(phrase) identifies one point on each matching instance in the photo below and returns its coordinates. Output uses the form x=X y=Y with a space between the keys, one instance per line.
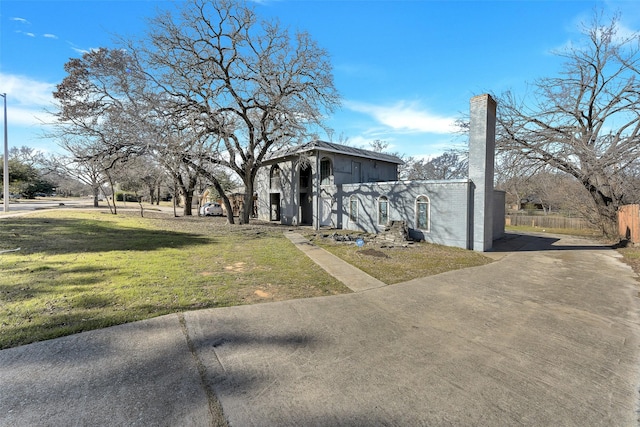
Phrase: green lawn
x=395 y=264
x=77 y=271
x=82 y=270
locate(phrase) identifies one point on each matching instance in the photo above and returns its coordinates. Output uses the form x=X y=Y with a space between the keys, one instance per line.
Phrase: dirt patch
x=237 y=267
x=262 y=294
x=374 y=253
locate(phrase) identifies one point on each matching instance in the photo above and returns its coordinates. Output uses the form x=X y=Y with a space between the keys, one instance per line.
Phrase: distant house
x=324 y=184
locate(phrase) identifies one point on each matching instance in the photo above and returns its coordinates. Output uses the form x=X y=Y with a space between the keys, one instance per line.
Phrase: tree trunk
x=247 y=205
x=175 y=209
x=188 y=200
x=152 y=193
x=113 y=194
x=608 y=219
x=225 y=199
x=106 y=197
x=96 y=196
x=607 y=207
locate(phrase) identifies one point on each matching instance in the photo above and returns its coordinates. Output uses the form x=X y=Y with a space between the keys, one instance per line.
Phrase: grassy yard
x=82 y=270
x=77 y=271
x=395 y=264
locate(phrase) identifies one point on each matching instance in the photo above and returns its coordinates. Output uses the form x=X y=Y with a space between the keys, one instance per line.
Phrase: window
x=422 y=213
x=275 y=177
x=383 y=210
x=353 y=208
x=325 y=171
x=305 y=175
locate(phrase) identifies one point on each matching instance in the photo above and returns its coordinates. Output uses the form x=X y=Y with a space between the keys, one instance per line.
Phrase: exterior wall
x=345 y=170
x=286 y=190
x=262 y=190
x=499 y=213
x=351 y=170
x=449 y=207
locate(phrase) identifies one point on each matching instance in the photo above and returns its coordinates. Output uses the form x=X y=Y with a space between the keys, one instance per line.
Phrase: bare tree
x=101 y=104
x=449 y=165
x=105 y=116
x=87 y=171
x=248 y=85
x=27 y=155
x=586 y=122
x=408 y=162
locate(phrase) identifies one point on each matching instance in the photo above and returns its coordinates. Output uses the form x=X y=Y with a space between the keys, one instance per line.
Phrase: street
x=22 y=205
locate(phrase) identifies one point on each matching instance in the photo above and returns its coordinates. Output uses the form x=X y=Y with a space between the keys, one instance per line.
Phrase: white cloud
x=78 y=50
x=50 y=36
x=26 y=99
x=405 y=116
x=81 y=51
x=21 y=20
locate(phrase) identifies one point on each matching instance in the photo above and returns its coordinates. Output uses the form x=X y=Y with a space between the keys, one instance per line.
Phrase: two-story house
x=331 y=185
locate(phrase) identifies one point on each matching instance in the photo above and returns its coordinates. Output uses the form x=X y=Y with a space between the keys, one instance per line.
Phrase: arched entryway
x=305 y=195
x=274 y=194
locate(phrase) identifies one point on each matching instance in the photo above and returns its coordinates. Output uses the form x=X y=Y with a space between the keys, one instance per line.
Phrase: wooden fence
x=548 y=221
x=629 y=223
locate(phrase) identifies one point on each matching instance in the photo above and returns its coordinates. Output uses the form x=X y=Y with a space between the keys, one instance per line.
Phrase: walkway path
x=354 y=278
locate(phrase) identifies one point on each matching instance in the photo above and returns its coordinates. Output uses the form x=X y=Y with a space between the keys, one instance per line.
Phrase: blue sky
x=405 y=69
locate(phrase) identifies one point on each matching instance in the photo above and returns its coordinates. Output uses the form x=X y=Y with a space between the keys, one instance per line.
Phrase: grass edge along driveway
x=83 y=270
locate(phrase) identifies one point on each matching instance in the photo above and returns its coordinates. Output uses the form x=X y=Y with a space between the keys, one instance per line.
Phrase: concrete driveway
x=546 y=335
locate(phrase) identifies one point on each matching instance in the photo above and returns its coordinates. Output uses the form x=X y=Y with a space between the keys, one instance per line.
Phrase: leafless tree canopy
x=212 y=88
x=451 y=164
x=586 y=122
x=248 y=85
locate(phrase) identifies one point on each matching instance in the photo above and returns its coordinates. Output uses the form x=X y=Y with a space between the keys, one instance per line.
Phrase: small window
x=383 y=210
x=325 y=171
x=422 y=213
x=275 y=177
x=353 y=208
x=305 y=175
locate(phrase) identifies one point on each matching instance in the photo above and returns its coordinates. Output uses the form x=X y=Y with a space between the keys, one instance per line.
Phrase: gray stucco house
x=331 y=185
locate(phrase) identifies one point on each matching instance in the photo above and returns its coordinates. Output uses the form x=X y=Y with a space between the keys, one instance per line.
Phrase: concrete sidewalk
x=547 y=335
x=352 y=277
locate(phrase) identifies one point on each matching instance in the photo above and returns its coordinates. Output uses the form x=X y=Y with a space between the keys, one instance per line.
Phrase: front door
x=274 y=202
x=306 y=209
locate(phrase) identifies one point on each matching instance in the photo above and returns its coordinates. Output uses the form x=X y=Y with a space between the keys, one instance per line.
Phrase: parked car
x=211 y=209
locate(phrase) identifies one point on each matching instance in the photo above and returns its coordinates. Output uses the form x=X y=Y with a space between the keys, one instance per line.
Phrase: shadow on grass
x=96 y=312
x=46 y=279
x=64 y=236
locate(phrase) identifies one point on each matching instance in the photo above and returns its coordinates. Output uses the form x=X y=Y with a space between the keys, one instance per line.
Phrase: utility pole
x=5 y=176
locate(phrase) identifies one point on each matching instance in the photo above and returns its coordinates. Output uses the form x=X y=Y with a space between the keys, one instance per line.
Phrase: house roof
x=330 y=147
